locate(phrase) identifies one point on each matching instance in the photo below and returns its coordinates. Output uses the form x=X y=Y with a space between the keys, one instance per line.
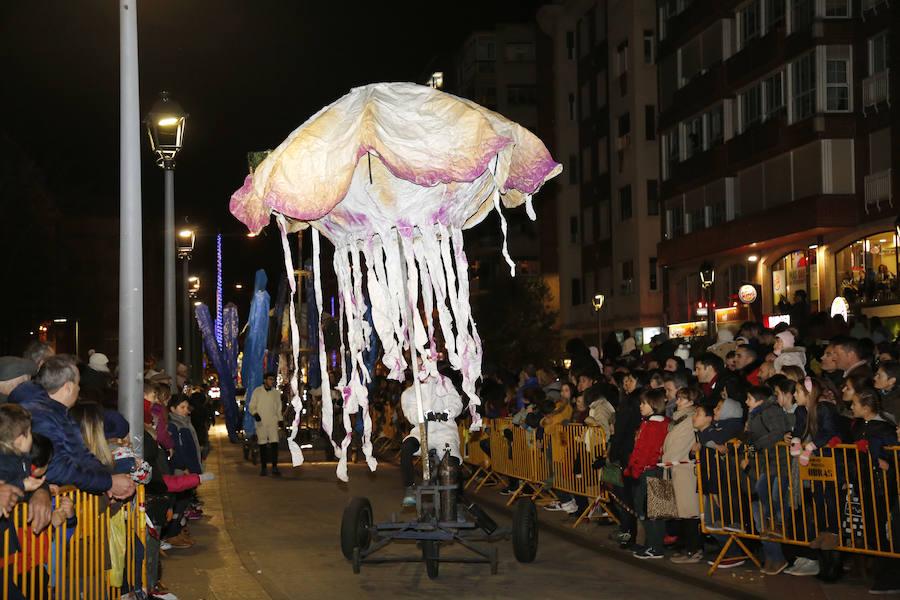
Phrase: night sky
x=247 y=72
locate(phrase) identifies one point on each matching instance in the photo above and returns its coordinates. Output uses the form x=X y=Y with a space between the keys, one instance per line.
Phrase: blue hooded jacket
x=72 y=462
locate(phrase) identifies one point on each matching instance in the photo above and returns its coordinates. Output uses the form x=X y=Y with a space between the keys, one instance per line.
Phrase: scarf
x=181 y=422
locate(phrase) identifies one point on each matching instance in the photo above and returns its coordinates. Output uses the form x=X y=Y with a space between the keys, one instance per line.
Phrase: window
x=751 y=107
x=774 y=95
x=697 y=218
x=648 y=46
x=791 y=273
x=485 y=49
x=717 y=213
x=677 y=220
x=837 y=85
x=671 y=154
x=653 y=274
x=803 y=12
x=774 y=14
x=650 y=122
x=627 y=284
x=879 y=53
x=573 y=169
x=576 y=292
x=714 y=126
x=587 y=163
x=573 y=230
x=837 y=9
x=570 y=45
x=693 y=137
x=749 y=16
x=625 y=202
x=584 y=108
x=571 y=107
x=622 y=58
x=652 y=197
x=624 y=124
x=521 y=95
x=603 y=219
x=804 y=88
x=584 y=46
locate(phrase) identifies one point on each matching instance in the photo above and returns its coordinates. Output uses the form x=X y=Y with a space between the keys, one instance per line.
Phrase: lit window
x=837 y=85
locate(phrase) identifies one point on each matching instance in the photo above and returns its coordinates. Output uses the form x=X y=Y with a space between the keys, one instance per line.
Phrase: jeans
x=655 y=528
x=712 y=517
x=771 y=550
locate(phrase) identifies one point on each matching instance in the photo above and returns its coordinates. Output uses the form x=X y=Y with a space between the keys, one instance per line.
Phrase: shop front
x=866 y=270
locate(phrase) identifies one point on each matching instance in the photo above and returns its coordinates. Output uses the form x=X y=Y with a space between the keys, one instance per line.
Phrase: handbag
x=661 y=497
x=612 y=474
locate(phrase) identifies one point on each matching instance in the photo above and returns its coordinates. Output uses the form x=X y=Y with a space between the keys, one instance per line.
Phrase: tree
x=515 y=322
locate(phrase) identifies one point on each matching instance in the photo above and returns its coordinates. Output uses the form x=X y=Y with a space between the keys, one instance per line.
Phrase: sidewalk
x=745 y=581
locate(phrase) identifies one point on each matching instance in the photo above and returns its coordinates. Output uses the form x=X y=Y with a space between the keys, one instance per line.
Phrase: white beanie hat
x=787 y=338
x=99 y=362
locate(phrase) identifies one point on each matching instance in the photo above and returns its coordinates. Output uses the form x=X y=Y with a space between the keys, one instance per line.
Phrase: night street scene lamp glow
x=165 y=126
x=185 y=243
x=597 y=301
x=707 y=274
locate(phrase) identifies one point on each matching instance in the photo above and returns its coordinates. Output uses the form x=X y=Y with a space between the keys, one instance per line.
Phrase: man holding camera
x=265 y=406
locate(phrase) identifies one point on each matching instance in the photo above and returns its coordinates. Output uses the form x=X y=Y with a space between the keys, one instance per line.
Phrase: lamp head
x=597 y=301
x=165 y=127
x=707 y=274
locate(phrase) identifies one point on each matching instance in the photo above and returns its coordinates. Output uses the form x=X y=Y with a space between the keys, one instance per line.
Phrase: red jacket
x=647 y=445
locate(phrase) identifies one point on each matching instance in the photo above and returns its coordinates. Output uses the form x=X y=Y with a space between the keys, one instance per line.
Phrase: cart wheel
x=356 y=561
x=495 y=560
x=355 y=526
x=525 y=531
x=430 y=552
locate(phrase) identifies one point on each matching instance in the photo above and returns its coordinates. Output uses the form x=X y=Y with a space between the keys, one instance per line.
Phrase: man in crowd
x=49 y=397
x=38 y=351
x=14 y=371
x=746 y=362
x=849 y=357
x=265 y=406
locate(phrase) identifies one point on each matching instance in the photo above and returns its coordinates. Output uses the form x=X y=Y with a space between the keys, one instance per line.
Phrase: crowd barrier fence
x=98 y=556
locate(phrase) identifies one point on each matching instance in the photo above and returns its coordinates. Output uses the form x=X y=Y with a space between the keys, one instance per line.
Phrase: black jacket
x=628 y=420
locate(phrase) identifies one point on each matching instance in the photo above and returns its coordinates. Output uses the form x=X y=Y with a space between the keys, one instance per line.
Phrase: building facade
x=778 y=140
x=606 y=202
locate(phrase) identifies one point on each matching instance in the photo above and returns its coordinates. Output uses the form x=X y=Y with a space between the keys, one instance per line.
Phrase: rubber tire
x=358 y=513
x=431 y=548
x=355 y=561
x=525 y=531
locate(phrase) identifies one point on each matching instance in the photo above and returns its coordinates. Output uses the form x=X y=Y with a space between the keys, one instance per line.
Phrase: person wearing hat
x=786 y=353
x=96 y=373
x=14 y=371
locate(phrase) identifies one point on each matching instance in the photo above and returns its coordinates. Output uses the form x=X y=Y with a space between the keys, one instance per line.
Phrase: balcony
x=877 y=89
x=873 y=4
x=878 y=190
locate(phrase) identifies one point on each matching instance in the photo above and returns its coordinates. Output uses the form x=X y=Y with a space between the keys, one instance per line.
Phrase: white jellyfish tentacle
x=529 y=208
x=384 y=308
x=364 y=378
x=495 y=198
x=345 y=308
x=327 y=412
x=432 y=255
x=471 y=343
x=296 y=402
x=427 y=302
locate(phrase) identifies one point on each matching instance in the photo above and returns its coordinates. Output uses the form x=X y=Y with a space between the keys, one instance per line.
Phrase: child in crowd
x=186 y=456
x=40 y=455
x=886 y=379
x=600 y=412
x=643 y=464
x=786 y=353
x=766 y=425
x=115 y=429
x=154 y=405
x=15 y=446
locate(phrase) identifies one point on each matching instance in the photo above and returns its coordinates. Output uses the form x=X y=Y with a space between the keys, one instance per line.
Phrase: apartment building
x=778 y=140
x=604 y=131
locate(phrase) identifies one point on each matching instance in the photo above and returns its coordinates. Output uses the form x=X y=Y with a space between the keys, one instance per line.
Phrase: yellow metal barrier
x=575 y=447
x=844 y=499
x=77 y=561
x=475 y=456
x=521 y=454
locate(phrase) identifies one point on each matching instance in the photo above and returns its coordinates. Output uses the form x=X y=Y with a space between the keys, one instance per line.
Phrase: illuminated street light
x=597 y=301
x=753 y=258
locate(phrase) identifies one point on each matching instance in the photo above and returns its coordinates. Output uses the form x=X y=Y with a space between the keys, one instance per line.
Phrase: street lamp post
x=186 y=239
x=707 y=279
x=597 y=301
x=165 y=127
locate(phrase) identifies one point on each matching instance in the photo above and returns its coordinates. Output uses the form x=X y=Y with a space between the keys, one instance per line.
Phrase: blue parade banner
x=227 y=377
x=255 y=346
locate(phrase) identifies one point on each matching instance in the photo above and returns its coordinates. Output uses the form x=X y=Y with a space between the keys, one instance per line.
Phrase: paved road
x=279 y=538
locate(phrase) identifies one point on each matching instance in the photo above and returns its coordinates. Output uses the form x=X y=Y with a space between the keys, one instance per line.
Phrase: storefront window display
x=792 y=272
x=866 y=270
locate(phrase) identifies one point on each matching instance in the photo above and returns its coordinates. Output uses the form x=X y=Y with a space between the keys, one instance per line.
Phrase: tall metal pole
x=169 y=328
x=131 y=275
x=185 y=315
x=599 y=333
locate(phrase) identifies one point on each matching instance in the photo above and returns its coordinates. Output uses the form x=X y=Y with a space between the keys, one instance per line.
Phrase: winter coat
x=603 y=415
x=677 y=448
x=767 y=425
x=791 y=356
x=647 y=445
x=438 y=396
x=72 y=462
x=186 y=455
x=266 y=404
x=890 y=402
x=628 y=420
x=560 y=415
x=14 y=469
x=878 y=432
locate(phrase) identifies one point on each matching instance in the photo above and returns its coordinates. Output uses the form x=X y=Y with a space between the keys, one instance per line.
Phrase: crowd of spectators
x=755 y=403
x=60 y=427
